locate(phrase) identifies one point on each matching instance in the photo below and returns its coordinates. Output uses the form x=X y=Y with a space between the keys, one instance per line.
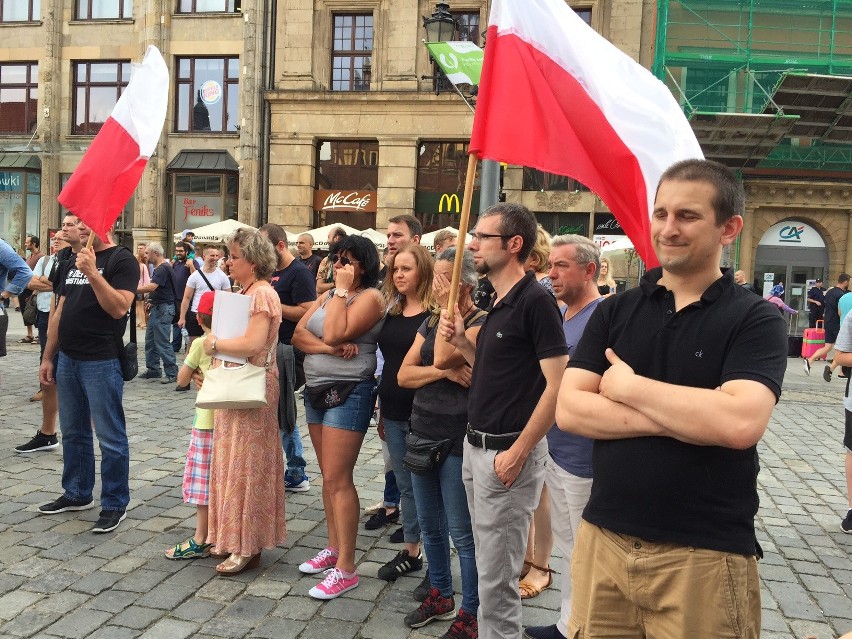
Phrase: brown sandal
x=525 y=569
x=528 y=590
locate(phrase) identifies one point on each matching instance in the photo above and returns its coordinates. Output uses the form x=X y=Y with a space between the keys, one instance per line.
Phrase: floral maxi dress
x=247 y=470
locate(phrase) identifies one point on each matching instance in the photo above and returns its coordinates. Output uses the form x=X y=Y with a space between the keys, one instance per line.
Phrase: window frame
x=237 y=4
x=123 y=6
x=119 y=85
x=227 y=82
x=34 y=8
x=353 y=54
x=28 y=86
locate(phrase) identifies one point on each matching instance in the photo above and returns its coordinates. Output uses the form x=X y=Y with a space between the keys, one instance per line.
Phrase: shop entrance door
x=795 y=280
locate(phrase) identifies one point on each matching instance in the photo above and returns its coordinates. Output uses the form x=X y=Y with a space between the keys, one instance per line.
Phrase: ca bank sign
x=791 y=233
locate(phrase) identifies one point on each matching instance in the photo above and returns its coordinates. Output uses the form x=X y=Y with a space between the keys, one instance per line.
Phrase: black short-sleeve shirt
x=295 y=285
x=659 y=488
x=86 y=331
x=521 y=329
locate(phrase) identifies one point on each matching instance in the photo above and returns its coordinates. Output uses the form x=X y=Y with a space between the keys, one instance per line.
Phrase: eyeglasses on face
x=481 y=236
x=344 y=261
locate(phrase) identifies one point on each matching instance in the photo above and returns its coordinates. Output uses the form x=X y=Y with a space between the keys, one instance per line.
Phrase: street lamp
x=441 y=26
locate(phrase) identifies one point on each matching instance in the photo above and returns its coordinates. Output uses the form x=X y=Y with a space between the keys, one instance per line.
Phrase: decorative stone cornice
x=557 y=200
x=786 y=194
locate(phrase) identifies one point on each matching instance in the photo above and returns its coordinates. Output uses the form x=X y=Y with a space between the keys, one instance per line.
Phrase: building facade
x=767 y=89
x=63 y=65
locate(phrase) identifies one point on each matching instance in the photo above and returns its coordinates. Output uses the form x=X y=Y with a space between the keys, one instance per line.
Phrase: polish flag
x=556 y=96
x=111 y=167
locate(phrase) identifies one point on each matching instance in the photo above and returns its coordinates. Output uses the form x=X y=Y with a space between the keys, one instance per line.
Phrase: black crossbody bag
x=127 y=353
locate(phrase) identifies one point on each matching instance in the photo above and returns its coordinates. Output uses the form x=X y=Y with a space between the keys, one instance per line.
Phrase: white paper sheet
x=230 y=319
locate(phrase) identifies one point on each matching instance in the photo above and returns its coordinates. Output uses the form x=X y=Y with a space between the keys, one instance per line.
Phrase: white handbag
x=234 y=387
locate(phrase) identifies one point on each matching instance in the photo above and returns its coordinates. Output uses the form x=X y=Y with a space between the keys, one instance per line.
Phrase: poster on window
x=12 y=215
x=192 y=211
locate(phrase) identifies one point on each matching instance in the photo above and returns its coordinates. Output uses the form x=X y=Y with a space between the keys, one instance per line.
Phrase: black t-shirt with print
x=295 y=285
x=86 y=331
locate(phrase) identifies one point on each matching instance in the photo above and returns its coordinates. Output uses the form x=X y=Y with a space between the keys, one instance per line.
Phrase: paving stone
x=165 y=597
x=113 y=601
x=350 y=610
x=63 y=602
x=249 y=608
x=137 y=617
x=141 y=580
x=323 y=628
x=275 y=628
x=52 y=581
x=79 y=623
x=227 y=627
x=225 y=590
x=12 y=603
x=199 y=610
x=296 y=607
x=28 y=623
x=96 y=582
x=170 y=629
x=114 y=632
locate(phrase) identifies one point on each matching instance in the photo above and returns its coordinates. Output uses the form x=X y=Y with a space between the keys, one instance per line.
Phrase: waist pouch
x=423 y=455
x=330 y=395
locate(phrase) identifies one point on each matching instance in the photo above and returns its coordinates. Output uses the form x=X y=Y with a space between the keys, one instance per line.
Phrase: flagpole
x=463 y=222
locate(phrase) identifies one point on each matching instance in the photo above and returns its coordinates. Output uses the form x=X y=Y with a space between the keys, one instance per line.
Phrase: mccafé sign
x=345 y=201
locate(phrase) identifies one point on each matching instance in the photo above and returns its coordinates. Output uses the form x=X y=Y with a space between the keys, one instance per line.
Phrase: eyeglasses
x=481 y=236
x=344 y=261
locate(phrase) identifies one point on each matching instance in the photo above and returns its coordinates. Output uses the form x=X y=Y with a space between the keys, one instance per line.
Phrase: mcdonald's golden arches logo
x=449 y=198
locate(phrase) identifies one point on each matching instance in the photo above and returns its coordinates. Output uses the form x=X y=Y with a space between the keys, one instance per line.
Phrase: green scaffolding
x=725 y=56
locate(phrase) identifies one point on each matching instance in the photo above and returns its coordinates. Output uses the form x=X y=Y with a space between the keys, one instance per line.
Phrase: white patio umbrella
x=616 y=249
x=428 y=239
x=216 y=232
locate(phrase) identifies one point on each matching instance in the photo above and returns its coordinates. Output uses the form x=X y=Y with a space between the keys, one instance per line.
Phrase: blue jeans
x=157 y=340
x=92 y=392
x=395 y=432
x=391 y=495
x=177 y=338
x=295 y=454
x=444 y=506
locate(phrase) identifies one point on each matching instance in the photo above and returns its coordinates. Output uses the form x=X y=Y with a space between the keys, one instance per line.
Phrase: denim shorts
x=353 y=414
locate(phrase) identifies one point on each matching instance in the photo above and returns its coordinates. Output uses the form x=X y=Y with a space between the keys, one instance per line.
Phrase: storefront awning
x=822 y=102
x=203 y=160
x=19 y=161
x=740 y=140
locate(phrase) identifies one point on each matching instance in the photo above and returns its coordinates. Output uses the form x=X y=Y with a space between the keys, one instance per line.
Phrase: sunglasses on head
x=344 y=261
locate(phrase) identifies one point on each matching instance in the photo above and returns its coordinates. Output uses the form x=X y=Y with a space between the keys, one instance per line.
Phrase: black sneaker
x=181 y=389
x=400 y=565
x=109 y=520
x=382 y=519
x=464 y=627
x=543 y=632
x=149 y=374
x=435 y=607
x=168 y=380
x=39 y=442
x=422 y=590
x=397 y=536
x=64 y=504
x=846 y=524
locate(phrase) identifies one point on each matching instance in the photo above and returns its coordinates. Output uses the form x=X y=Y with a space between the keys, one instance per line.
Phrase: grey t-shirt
x=844 y=343
x=573 y=453
x=324 y=369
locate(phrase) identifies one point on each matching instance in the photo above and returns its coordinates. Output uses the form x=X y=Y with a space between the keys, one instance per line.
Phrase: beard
x=483 y=267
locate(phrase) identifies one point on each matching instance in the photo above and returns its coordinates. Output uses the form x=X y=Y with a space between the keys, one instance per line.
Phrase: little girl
x=196 y=476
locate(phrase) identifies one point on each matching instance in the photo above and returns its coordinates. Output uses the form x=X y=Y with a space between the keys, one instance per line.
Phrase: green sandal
x=189 y=549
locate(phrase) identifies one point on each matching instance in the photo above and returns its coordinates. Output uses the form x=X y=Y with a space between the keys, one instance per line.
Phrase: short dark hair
x=36 y=242
x=275 y=233
x=413 y=224
x=184 y=246
x=843 y=277
x=730 y=195
x=204 y=319
x=364 y=251
x=339 y=232
x=515 y=219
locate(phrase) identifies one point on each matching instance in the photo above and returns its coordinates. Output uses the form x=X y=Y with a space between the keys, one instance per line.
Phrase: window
x=97 y=87
x=441 y=172
x=468 y=22
x=585 y=14
x=209 y=6
x=562 y=223
x=348 y=164
x=104 y=10
x=352 y=48
x=20 y=10
x=207 y=95
x=18 y=97
x=535 y=180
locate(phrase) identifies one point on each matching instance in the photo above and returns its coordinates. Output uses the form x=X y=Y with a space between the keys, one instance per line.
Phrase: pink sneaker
x=334 y=585
x=325 y=559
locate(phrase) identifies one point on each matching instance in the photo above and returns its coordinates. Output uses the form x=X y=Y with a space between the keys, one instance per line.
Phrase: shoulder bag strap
x=206 y=281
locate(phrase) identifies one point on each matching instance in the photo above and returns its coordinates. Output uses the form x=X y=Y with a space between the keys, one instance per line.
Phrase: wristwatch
x=213 y=345
x=341 y=292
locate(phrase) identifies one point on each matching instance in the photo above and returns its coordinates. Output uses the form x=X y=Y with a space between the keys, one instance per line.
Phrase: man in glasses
x=517 y=360
x=675 y=380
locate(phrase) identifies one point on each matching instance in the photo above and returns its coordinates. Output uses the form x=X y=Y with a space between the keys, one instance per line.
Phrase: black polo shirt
x=521 y=329
x=658 y=488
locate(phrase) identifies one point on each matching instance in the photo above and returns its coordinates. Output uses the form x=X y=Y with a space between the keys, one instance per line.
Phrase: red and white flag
x=556 y=96
x=111 y=167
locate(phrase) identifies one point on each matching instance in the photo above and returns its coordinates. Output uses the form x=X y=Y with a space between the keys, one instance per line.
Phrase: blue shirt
x=573 y=453
x=14 y=272
x=844 y=306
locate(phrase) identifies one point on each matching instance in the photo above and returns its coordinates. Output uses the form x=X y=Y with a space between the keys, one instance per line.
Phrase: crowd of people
x=623 y=427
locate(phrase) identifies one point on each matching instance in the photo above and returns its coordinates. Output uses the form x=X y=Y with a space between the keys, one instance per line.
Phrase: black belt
x=490 y=442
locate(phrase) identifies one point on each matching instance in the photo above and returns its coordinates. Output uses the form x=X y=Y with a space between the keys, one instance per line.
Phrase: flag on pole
x=461 y=62
x=556 y=96
x=111 y=167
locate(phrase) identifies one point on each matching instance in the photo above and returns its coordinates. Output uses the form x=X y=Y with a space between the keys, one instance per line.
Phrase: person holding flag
x=94 y=298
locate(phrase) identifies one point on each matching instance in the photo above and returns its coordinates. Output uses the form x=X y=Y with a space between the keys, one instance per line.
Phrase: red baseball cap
x=205 y=304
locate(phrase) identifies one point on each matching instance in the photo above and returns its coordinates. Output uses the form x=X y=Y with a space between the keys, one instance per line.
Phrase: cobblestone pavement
x=58 y=579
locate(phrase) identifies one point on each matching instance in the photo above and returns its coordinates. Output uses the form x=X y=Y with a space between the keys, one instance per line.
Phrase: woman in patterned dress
x=246 y=512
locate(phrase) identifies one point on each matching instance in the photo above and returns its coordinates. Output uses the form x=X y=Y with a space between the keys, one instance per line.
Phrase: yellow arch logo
x=449 y=198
